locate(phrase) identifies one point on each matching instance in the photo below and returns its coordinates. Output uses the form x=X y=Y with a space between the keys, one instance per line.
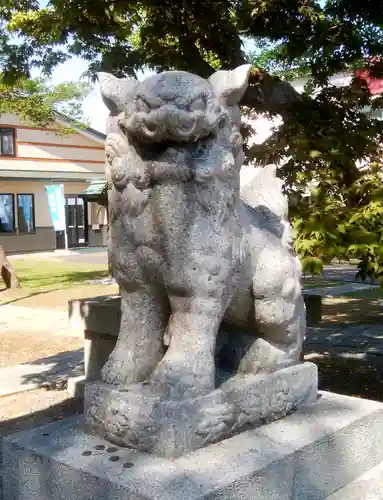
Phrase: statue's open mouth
x=154 y=130
x=169 y=123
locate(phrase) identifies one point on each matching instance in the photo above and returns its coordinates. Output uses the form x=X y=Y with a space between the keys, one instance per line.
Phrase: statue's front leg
x=198 y=280
x=139 y=346
x=188 y=367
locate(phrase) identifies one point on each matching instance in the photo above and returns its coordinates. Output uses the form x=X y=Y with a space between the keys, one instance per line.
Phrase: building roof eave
x=88 y=132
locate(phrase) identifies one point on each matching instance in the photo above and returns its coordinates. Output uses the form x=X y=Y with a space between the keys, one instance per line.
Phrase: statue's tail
x=264 y=193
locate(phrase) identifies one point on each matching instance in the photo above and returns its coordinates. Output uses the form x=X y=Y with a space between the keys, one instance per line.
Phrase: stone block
x=98 y=319
x=76 y=386
x=96 y=314
x=138 y=416
x=306 y=456
x=369 y=486
x=97 y=347
x=313 y=305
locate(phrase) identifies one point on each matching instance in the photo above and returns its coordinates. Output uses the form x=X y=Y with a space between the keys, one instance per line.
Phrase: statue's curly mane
x=208 y=162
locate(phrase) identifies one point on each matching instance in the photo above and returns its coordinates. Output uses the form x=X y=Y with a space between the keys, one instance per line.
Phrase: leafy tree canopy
x=35 y=101
x=325 y=133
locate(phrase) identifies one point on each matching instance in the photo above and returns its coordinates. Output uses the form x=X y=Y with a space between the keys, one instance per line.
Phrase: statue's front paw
x=131 y=421
x=217 y=423
x=263 y=357
x=184 y=378
x=120 y=370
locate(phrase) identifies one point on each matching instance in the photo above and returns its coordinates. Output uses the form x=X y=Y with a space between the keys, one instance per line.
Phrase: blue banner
x=56 y=202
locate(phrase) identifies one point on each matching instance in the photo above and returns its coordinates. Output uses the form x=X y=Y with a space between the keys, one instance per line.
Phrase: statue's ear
x=231 y=85
x=116 y=92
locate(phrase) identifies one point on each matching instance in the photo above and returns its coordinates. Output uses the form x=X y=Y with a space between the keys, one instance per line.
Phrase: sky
x=94 y=109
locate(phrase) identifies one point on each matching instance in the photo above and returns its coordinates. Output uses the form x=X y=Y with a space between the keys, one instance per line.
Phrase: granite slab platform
x=306 y=456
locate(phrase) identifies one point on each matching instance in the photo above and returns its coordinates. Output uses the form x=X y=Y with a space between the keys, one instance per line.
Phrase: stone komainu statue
x=192 y=257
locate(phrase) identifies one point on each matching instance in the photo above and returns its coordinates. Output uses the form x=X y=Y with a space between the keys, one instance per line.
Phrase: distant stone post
x=7 y=272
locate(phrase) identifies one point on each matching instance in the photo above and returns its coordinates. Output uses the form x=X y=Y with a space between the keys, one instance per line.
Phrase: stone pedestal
x=135 y=416
x=98 y=320
x=309 y=455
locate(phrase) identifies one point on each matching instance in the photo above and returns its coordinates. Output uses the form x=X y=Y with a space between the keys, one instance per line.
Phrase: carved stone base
x=139 y=418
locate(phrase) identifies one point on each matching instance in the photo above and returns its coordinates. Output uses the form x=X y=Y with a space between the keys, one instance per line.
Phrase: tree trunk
x=7 y=272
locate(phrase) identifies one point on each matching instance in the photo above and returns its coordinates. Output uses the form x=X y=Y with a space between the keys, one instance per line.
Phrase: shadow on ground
x=367 y=308
x=352 y=377
x=61 y=366
x=66 y=408
x=349 y=359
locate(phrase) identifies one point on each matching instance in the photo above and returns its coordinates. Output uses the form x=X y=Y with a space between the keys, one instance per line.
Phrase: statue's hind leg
x=279 y=315
x=281 y=337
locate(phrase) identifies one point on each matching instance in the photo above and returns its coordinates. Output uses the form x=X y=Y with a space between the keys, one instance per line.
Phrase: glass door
x=76 y=221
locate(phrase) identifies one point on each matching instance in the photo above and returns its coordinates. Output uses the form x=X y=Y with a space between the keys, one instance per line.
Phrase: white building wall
x=45 y=153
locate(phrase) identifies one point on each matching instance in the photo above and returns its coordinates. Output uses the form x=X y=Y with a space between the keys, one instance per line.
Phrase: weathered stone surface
x=209 y=283
x=96 y=314
x=185 y=250
x=306 y=456
x=369 y=486
x=139 y=418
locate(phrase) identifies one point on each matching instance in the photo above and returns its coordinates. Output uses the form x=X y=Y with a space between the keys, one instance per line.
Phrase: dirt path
x=17 y=348
x=54 y=299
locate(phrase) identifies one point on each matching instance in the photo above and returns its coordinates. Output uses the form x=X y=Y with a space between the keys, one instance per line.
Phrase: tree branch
x=265 y=93
x=269 y=94
x=191 y=53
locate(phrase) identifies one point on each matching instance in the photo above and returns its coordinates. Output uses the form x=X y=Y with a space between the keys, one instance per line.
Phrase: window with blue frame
x=26 y=213
x=7 y=213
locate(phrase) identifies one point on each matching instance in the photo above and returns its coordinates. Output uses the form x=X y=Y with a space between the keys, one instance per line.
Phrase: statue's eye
x=141 y=105
x=197 y=105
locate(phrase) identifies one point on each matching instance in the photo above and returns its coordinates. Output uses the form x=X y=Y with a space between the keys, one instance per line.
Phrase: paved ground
x=362 y=342
x=48 y=351
x=97 y=255
x=339 y=290
x=343 y=272
x=51 y=372
x=26 y=319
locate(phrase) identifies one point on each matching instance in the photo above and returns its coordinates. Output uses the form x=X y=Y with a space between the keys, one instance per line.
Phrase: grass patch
x=50 y=284
x=45 y=275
